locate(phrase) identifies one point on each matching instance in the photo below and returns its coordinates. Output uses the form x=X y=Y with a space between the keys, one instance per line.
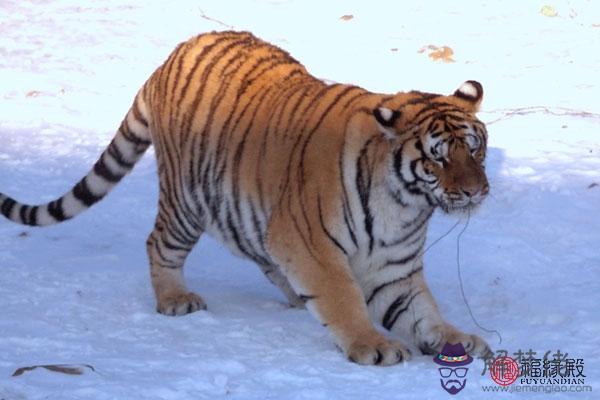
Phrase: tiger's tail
x=126 y=148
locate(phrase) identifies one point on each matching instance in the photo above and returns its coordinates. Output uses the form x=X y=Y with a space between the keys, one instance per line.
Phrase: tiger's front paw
x=180 y=304
x=375 y=349
x=432 y=341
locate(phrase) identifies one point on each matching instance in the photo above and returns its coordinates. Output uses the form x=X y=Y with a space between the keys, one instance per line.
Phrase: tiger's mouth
x=453 y=210
x=465 y=206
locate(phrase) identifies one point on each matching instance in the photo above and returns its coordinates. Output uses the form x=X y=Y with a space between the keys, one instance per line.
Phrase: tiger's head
x=438 y=146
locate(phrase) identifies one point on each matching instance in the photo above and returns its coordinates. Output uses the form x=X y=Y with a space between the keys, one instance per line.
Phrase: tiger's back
x=231 y=117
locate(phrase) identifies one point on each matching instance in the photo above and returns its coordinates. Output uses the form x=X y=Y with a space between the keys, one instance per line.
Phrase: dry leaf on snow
x=436 y=53
x=62 y=368
x=347 y=17
x=549 y=11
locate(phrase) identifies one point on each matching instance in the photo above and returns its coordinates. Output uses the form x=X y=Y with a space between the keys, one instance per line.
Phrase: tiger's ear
x=385 y=119
x=472 y=94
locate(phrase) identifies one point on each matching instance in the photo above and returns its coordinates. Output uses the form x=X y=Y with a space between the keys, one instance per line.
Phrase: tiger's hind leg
x=274 y=274
x=168 y=245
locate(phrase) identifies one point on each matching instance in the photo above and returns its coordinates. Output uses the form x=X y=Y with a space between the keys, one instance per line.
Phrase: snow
x=79 y=293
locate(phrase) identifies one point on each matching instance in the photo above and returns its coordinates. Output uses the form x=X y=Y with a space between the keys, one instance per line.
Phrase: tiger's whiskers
x=460 y=280
x=458 y=267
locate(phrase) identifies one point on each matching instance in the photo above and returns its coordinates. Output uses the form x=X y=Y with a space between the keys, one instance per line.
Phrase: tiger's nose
x=475 y=192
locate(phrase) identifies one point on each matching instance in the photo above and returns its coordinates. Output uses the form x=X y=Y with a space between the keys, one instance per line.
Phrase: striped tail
x=125 y=149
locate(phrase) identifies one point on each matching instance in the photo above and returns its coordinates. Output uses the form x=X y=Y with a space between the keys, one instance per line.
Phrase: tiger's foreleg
x=408 y=308
x=323 y=279
x=168 y=246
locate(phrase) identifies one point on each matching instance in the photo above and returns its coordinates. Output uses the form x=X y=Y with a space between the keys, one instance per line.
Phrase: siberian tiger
x=327 y=187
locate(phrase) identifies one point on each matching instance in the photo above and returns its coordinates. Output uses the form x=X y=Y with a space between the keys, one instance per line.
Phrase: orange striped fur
x=328 y=188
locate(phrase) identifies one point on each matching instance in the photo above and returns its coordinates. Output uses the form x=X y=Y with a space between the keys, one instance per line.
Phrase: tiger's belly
x=240 y=227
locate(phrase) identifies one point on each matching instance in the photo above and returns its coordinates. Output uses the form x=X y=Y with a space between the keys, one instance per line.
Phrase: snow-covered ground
x=79 y=293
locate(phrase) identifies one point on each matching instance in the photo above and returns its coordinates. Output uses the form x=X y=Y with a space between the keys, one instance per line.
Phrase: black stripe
x=436 y=112
x=393 y=313
x=166 y=72
x=238 y=242
x=346 y=105
x=418 y=226
x=82 y=192
x=116 y=154
x=55 y=209
x=102 y=171
x=166 y=262
x=415 y=324
x=172 y=246
x=329 y=235
x=398 y=198
x=379 y=288
x=304 y=90
x=301 y=234
x=413 y=169
x=132 y=137
x=348 y=218
x=421 y=97
x=403 y=260
x=180 y=218
x=363 y=185
x=398 y=159
x=258 y=229
x=32 y=220
x=348 y=227
x=392 y=307
x=170 y=95
x=7 y=206
x=23 y=213
x=138 y=114
x=178 y=234
x=306 y=297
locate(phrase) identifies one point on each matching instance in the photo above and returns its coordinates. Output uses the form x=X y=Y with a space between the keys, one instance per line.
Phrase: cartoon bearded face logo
x=452 y=360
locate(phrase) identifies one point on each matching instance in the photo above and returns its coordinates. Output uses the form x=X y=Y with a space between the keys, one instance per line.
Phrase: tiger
x=327 y=187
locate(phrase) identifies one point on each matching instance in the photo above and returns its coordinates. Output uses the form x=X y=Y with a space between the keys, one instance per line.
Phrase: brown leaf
x=33 y=93
x=62 y=368
x=436 y=53
x=347 y=17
